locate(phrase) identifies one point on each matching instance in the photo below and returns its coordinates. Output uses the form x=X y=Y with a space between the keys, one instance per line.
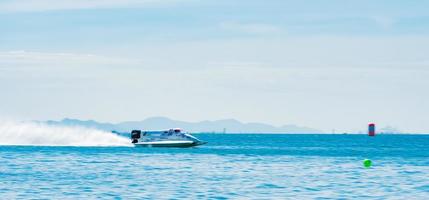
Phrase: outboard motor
x=135 y=135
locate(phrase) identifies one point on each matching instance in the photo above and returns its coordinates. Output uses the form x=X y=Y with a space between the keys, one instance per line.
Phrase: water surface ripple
x=240 y=166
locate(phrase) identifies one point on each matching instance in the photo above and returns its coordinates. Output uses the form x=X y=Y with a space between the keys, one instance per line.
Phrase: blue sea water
x=230 y=166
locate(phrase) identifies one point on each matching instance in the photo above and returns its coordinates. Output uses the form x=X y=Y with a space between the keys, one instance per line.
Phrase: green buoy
x=367 y=163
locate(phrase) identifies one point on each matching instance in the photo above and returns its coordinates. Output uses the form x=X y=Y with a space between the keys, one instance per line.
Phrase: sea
x=229 y=166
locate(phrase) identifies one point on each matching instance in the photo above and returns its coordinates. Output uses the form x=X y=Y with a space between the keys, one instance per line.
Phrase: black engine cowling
x=136 y=134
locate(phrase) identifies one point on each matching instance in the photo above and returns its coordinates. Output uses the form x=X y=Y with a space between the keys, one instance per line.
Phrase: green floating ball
x=367 y=163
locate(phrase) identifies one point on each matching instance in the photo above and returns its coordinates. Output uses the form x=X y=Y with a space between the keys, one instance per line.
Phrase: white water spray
x=39 y=134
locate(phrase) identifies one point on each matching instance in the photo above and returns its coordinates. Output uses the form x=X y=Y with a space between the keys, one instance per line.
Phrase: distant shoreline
x=307 y=133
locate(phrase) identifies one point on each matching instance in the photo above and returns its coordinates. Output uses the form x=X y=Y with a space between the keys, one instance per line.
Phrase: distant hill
x=159 y=123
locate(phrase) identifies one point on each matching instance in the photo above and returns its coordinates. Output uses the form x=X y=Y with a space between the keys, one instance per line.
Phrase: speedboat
x=166 y=138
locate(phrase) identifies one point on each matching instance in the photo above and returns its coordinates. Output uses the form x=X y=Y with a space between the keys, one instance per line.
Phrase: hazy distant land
x=157 y=123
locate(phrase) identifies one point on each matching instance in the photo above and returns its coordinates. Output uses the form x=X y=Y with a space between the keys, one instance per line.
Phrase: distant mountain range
x=161 y=123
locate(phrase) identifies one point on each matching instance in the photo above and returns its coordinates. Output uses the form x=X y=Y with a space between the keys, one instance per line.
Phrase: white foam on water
x=39 y=134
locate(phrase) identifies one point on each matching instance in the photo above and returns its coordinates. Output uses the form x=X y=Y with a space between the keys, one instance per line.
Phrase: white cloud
x=314 y=81
x=48 y=5
x=291 y=52
x=384 y=22
x=37 y=59
x=253 y=28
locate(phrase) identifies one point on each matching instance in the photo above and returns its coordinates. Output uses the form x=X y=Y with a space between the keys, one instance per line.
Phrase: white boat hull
x=184 y=143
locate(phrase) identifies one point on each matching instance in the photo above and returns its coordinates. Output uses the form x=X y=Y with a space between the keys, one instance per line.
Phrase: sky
x=324 y=64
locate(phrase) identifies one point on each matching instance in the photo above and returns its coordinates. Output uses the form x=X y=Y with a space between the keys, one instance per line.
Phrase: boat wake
x=39 y=134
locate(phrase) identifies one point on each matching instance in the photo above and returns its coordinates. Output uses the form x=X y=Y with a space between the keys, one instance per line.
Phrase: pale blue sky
x=323 y=64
